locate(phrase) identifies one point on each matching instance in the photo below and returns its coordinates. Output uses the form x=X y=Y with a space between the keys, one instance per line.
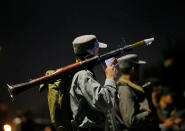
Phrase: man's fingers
x=113 y=60
x=114 y=68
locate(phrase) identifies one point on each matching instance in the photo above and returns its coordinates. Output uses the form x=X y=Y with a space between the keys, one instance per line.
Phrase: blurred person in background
x=156 y=90
x=49 y=127
x=27 y=123
x=17 y=122
x=169 y=118
x=153 y=88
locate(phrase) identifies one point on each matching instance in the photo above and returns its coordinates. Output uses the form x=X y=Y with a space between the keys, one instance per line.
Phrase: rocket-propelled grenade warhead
x=149 y=41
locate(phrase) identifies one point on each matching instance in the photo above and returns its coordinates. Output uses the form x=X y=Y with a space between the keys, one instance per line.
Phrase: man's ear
x=96 y=52
x=132 y=69
x=90 y=51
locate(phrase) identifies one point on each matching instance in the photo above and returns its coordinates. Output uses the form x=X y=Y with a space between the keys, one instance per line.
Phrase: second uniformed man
x=134 y=114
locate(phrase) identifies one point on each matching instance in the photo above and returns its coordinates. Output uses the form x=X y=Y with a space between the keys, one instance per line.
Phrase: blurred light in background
x=168 y=62
x=7 y=127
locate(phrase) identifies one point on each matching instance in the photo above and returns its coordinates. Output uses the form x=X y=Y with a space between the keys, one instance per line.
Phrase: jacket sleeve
x=99 y=97
x=127 y=106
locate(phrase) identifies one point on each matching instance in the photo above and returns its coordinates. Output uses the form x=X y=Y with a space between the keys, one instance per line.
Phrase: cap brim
x=102 y=45
x=141 y=62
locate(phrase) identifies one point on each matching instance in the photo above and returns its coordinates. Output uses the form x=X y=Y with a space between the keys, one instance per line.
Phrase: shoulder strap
x=131 y=84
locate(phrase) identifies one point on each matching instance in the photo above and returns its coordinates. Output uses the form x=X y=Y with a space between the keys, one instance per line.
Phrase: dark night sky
x=36 y=35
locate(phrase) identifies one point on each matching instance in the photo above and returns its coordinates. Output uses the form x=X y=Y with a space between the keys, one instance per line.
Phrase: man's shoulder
x=122 y=84
x=83 y=73
x=49 y=72
x=123 y=87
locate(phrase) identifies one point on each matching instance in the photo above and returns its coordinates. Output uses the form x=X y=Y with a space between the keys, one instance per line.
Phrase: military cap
x=83 y=43
x=129 y=60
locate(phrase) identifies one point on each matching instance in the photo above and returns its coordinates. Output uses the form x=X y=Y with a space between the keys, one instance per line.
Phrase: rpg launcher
x=19 y=88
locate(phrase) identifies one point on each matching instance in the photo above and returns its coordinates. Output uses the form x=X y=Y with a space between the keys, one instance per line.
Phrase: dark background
x=36 y=35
